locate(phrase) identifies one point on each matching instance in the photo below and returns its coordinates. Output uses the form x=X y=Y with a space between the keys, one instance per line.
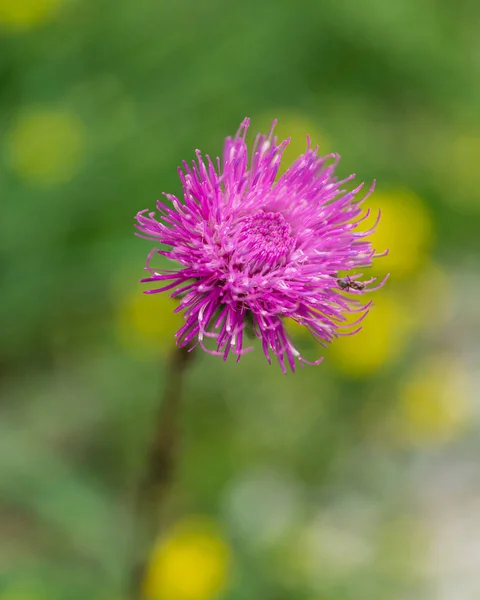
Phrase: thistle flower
x=253 y=251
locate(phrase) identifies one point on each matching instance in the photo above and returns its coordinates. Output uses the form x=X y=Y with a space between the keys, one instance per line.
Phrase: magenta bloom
x=253 y=251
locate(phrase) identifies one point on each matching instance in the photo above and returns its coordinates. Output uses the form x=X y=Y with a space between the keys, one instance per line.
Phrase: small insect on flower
x=252 y=250
x=348 y=284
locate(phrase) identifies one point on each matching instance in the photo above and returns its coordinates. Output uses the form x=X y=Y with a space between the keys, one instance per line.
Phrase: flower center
x=264 y=242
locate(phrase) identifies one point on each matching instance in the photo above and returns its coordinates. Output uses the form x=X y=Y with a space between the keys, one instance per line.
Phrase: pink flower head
x=253 y=251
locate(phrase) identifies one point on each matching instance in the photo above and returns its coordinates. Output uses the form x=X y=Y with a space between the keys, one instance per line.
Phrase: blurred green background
x=355 y=480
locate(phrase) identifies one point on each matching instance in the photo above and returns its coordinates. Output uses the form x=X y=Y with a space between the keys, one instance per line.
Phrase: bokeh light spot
x=405 y=229
x=147 y=321
x=24 y=14
x=192 y=563
x=383 y=338
x=434 y=402
x=46 y=145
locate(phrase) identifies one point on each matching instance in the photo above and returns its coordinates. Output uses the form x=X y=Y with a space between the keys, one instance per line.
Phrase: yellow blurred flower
x=384 y=335
x=433 y=402
x=405 y=229
x=295 y=126
x=24 y=14
x=46 y=146
x=192 y=563
x=147 y=321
